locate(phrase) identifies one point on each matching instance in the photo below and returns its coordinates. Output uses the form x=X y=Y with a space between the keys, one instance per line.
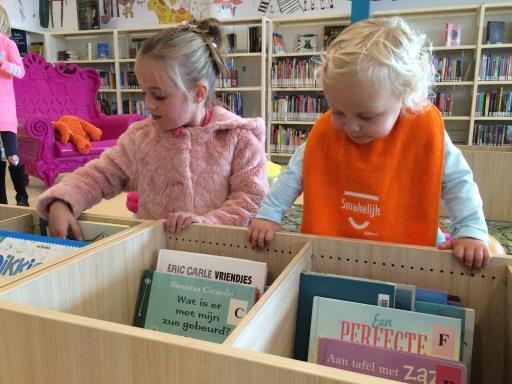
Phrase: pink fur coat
x=217 y=171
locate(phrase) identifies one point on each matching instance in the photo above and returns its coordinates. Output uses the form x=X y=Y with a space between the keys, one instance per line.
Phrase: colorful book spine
x=389 y=328
x=191 y=306
x=389 y=364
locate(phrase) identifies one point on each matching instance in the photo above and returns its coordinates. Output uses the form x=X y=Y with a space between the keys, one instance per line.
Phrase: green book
x=191 y=306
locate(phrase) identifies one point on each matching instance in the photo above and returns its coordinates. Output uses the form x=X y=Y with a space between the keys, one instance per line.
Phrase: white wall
x=25 y=13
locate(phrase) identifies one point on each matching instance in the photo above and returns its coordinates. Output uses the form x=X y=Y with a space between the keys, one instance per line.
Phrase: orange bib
x=386 y=190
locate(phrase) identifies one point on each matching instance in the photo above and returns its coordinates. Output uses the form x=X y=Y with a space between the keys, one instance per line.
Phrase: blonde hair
x=189 y=53
x=388 y=53
x=5 y=26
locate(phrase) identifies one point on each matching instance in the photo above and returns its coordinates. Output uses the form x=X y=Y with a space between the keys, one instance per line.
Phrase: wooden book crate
x=70 y=322
x=26 y=220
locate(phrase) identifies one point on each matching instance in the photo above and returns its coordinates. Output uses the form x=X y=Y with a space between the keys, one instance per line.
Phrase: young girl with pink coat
x=191 y=161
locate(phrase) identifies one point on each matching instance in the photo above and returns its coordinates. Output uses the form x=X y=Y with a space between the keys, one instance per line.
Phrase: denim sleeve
x=285 y=190
x=461 y=197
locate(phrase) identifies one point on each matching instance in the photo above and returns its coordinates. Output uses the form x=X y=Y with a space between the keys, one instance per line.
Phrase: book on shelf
x=389 y=328
x=221 y=268
x=103 y=51
x=254 y=36
x=495 y=32
x=191 y=306
x=389 y=364
x=278 y=43
x=231 y=42
x=306 y=42
x=337 y=287
x=135 y=45
x=20 y=252
x=37 y=47
x=467 y=317
x=331 y=32
x=452 y=34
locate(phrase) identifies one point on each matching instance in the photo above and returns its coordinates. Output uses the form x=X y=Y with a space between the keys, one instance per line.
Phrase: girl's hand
x=61 y=221
x=262 y=232
x=179 y=221
x=473 y=253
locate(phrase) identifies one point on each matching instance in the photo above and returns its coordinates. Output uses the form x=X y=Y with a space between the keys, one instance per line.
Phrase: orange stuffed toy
x=78 y=131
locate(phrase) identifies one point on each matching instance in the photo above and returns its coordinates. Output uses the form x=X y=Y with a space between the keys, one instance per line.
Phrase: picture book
x=452 y=34
x=405 y=297
x=336 y=287
x=330 y=33
x=278 y=43
x=389 y=328
x=495 y=32
x=191 y=306
x=20 y=252
x=228 y=269
x=466 y=315
x=306 y=42
x=431 y=295
x=103 y=51
x=394 y=365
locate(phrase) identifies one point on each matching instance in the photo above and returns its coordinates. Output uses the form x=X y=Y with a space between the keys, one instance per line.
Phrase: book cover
x=431 y=295
x=278 y=43
x=191 y=306
x=103 y=51
x=452 y=34
x=334 y=287
x=389 y=328
x=330 y=33
x=221 y=268
x=306 y=42
x=20 y=252
x=467 y=317
x=495 y=32
x=389 y=364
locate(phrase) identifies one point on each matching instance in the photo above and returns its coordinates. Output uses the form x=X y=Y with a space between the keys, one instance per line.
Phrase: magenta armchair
x=45 y=94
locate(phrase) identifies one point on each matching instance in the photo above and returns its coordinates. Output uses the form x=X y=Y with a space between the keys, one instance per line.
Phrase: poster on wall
x=20 y=38
x=88 y=14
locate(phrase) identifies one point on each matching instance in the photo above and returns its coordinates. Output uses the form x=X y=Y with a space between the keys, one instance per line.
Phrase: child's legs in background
x=16 y=167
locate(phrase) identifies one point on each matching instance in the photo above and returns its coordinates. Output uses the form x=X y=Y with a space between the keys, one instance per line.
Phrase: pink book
x=389 y=364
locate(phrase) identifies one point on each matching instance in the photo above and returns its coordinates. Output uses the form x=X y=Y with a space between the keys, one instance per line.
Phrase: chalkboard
x=20 y=38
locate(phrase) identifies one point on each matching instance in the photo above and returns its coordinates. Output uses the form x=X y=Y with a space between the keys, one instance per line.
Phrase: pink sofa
x=45 y=94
